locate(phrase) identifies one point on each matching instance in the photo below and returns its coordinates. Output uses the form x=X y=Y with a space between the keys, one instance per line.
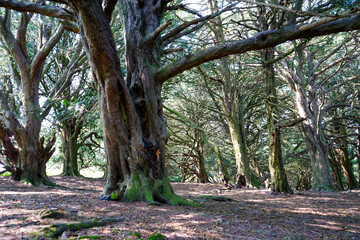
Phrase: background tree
x=29 y=156
x=131 y=108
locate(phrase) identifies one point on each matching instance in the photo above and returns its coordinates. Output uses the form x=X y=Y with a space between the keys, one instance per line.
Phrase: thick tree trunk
x=30 y=164
x=279 y=181
x=131 y=112
x=199 y=149
x=243 y=172
x=318 y=150
x=70 y=149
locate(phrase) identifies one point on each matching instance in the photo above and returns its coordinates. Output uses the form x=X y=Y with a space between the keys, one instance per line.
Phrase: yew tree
x=20 y=121
x=130 y=104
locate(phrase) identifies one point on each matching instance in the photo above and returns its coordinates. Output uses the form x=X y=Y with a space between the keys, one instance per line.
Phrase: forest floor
x=255 y=214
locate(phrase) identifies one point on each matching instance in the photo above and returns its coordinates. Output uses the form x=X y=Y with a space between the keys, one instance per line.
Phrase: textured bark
x=278 y=178
x=230 y=106
x=336 y=170
x=199 y=149
x=243 y=172
x=342 y=156
x=225 y=178
x=318 y=150
x=70 y=147
x=32 y=156
x=131 y=111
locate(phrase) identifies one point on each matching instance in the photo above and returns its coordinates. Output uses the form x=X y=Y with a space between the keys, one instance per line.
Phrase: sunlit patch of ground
x=255 y=215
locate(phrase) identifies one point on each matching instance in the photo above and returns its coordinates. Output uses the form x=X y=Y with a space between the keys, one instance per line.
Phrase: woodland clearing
x=256 y=214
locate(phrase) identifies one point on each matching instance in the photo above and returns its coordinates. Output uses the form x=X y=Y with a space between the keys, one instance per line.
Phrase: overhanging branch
x=261 y=40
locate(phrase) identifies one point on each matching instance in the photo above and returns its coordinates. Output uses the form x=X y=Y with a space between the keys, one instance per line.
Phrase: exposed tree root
x=141 y=188
x=37 y=181
x=55 y=230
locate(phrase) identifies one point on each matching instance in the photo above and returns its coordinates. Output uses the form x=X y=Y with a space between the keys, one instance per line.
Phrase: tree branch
x=40 y=57
x=185 y=25
x=291 y=123
x=261 y=40
x=21 y=32
x=158 y=30
x=46 y=10
x=14 y=48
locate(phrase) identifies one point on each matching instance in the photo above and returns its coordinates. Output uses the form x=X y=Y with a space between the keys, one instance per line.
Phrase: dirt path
x=255 y=214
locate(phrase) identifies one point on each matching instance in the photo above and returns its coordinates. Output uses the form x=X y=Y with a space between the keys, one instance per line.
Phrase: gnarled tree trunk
x=30 y=163
x=131 y=111
x=318 y=150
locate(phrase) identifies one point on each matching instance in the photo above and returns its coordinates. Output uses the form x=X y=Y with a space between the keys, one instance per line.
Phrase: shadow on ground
x=254 y=215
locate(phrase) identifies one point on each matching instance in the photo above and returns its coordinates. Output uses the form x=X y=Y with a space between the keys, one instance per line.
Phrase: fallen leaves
x=253 y=215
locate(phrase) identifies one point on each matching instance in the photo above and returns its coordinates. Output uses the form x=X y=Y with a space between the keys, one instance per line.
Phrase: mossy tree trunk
x=70 y=136
x=278 y=178
x=232 y=108
x=199 y=149
x=225 y=177
x=342 y=154
x=131 y=110
x=318 y=149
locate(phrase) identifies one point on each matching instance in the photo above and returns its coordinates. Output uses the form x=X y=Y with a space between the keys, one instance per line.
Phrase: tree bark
x=131 y=111
x=30 y=164
x=225 y=178
x=336 y=170
x=278 y=178
x=199 y=149
x=318 y=150
x=230 y=103
x=343 y=155
x=70 y=147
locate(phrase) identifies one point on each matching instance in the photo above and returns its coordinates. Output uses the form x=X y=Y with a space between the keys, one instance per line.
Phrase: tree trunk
x=279 y=181
x=318 y=150
x=236 y=126
x=243 y=172
x=199 y=149
x=131 y=111
x=343 y=155
x=30 y=163
x=278 y=178
x=336 y=170
x=225 y=178
x=70 y=148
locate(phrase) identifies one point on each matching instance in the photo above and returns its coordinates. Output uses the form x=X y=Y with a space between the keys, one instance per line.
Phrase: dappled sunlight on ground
x=255 y=214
